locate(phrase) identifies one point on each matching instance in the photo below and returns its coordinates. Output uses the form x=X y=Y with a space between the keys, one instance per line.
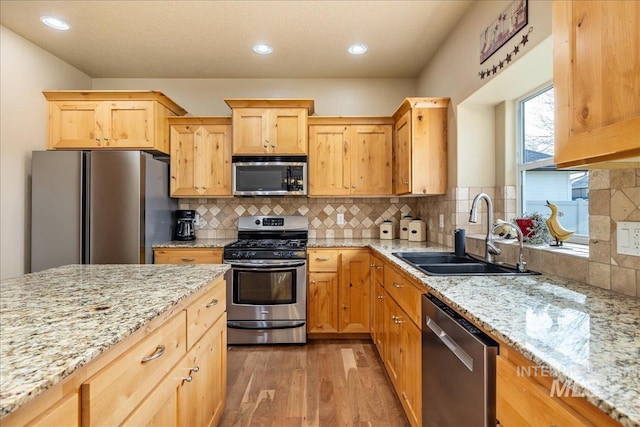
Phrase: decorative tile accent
x=362 y=216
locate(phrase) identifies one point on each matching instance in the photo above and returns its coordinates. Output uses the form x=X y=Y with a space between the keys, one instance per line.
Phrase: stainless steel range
x=267 y=282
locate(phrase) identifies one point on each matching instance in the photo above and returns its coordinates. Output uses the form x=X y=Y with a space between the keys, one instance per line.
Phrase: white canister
x=404 y=227
x=417 y=230
x=387 y=230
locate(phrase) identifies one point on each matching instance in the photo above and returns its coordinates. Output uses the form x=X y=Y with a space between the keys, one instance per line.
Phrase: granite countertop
x=197 y=243
x=55 y=321
x=587 y=337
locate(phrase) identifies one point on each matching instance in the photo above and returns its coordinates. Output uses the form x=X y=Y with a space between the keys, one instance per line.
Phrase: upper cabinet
x=350 y=156
x=110 y=120
x=270 y=126
x=596 y=73
x=200 y=156
x=420 y=150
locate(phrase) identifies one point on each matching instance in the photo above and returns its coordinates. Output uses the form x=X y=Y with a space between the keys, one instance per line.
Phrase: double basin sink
x=448 y=264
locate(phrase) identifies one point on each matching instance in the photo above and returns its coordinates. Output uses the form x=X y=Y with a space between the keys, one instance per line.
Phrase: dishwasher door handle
x=450 y=343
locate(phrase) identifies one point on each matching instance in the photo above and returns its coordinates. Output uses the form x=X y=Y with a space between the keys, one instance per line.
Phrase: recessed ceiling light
x=55 y=23
x=262 y=49
x=357 y=49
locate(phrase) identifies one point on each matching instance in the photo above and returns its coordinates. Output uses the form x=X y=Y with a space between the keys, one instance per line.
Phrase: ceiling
x=213 y=39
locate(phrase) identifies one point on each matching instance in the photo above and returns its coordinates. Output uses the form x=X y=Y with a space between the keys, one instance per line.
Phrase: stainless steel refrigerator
x=98 y=207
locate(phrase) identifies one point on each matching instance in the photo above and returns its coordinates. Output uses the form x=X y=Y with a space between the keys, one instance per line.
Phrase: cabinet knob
x=197 y=188
x=194 y=369
x=313 y=282
x=188 y=378
x=273 y=146
x=406 y=182
x=106 y=139
x=380 y=296
x=346 y=187
x=98 y=139
x=353 y=186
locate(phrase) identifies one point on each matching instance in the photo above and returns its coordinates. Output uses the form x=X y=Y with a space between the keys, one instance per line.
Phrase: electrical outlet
x=196 y=220
x=441 y=220
x=340 y=219
x=628 y=234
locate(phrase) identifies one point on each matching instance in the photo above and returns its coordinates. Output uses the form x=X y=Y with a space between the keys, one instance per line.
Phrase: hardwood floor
x=324 y=383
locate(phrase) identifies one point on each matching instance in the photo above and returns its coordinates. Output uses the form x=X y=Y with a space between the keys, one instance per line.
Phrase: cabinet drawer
x=188 y=256
x=321 y=260
x=203 y=313
x=405 y=294
x=110 y=395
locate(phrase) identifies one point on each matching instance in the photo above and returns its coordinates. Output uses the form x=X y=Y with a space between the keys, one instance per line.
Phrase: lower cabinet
x=65 y=412
x=377 y=317
x=338 y=291
x=529 y=396
x=187 y=256
x=403 y=358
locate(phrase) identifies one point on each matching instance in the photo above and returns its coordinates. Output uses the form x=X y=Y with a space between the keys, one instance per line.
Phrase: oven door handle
x=274 y=266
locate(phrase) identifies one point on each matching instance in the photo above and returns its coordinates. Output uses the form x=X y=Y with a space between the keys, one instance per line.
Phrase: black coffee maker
x=186 y=225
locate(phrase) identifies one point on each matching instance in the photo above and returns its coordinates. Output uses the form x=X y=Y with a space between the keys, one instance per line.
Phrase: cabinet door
x=329 y=170
x=75 y=124
x=213 y=160
x=371 y=160
x=403 y=155
x=200 y=160
x=250 y=131
x=597 y=80
x=287 y=131
x=411 y=378
x=392 y=333
x=65 y=412
x=377 y=318
x=322 y=302
x=202 y=400
x=129 y=124
x=183 y=158
x=160 y=407
x=355 y=291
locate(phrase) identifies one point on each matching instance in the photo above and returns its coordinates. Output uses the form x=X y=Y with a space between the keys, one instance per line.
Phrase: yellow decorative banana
x=555 y=229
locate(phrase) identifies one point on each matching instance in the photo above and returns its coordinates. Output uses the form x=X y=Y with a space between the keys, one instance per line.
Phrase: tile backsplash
x=362 y=216
x=614 y=195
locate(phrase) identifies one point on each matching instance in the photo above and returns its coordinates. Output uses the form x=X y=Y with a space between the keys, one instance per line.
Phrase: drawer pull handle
x=188 y=259
x=397 y=285
x=322 y=259
x=188 y=378
x=212 y=303
x=159 y=352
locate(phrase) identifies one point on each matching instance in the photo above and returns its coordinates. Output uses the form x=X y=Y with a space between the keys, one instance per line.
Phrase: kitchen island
x=61 y=325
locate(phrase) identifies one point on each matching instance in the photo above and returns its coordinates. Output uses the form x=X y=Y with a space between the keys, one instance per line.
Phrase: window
x=538 y=178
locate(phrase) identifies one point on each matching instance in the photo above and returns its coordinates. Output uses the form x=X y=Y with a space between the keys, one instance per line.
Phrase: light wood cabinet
x=596 y=58
x=200 y=156
x=420 y=146
x=322 y=302
x=202 y=399
x=350 y=158
x=527 y=395
x=187 y=256
x=402 y=340
x=109 y=120
x=355 y=291
x=66 y=412
x=113 y=393
x=377 y=303
x=270 y=126
x=338 y=295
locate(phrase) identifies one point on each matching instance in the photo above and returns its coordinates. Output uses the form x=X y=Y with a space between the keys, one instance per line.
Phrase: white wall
x=453 y=72
x=25 y=71
x=333 y=97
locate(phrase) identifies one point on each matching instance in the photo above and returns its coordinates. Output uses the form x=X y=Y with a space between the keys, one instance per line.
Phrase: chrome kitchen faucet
x=490 y=248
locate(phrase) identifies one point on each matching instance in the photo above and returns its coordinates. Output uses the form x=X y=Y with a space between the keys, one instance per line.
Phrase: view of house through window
x=539 y=180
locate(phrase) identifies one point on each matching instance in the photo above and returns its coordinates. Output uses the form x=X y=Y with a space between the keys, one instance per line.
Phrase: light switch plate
x=628 y=234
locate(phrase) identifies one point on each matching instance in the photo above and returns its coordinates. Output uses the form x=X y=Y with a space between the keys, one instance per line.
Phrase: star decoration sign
x=494 y=69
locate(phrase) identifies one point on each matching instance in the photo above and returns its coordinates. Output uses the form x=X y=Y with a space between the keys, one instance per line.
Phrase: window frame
x=521 y=166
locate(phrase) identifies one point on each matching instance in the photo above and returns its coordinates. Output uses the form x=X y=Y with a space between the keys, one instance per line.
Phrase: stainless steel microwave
x=269 y=175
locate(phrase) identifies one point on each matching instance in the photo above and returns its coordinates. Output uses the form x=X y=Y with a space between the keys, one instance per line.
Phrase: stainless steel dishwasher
x=458 y=369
